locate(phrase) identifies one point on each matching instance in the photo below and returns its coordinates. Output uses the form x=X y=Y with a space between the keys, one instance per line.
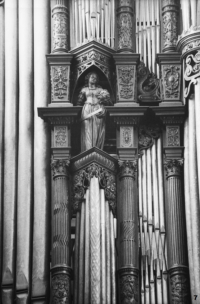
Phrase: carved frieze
x=60 y=167
x=192 y=71
x=170 y=21
x=129 y=292
x=125 y=31
x=126 y=120
x=60 y=83
x=173 y=167
x=172 y=80
x=60 y=288
x=60 y=136
x=147 y=134
x=60 y=29
x=126 y=136
x=128 y=168
x=126 y=82
x=173 y=136
x=180 y=289
x=60 y=120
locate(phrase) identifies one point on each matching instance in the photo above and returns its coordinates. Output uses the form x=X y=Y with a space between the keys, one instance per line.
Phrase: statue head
x=92 y=77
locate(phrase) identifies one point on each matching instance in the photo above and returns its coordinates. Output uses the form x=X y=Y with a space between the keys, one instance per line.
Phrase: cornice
x=59 y=115
x=92 y=45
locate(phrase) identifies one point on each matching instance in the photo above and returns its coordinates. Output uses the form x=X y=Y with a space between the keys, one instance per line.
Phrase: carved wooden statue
x=93 y=98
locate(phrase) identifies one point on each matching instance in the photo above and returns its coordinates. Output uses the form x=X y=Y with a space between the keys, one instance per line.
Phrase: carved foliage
x=126 y=82
x=147 y=134
x=92 y=55
x=180 y=289
x=60 y=289
x=171 y=74
x=129 y=289
x=59 y=167
x=192 y=71
x=81 y=182
x=59 y=80
x=60 y=136
x=170 y=28
x=60 y=29
x=125 y=31
x=173 y=136
x=128 y=168
x=173 y=167
x=126 y=137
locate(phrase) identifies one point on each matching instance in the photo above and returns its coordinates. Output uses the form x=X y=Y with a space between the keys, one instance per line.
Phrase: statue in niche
x=93 y=99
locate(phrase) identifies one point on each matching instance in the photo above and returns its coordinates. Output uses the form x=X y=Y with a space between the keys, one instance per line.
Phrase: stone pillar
x=176 y=234
x=125 y=26
x=60 y=30
x=25 y=148
x=61 y=219
x=170 y=24
x=128 y=271
x=10 y=150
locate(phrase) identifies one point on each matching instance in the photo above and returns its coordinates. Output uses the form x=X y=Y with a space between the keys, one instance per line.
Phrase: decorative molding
x=172 y=81
x=93 y=55
x=126 y=82
x=80 y=69
x=173 y=167
x=126 y=120
x=60 y=167
x=60 y=29
x=172 y=119
x=173 y=136
x=60 y=288
x=192 y=71
x=147 y=84
x=147 y=134
x=128 y=168
x=60 y=120
x=126 y=137
x=60 y=83
x=129 y=288
x=170 y=21
x=179 y=281
x=125 y=31
x=60 y=136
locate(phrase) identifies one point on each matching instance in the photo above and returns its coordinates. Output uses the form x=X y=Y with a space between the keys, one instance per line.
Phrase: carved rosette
x=171 y=86
x=127 y=168
x=60 y=29
x=81 y=182
x=126 y=82
x=60 y=167
x=125 y=26
x=147 y=134
x=173 y=167
x=60 y=83
x=129 y=285
x=170 y=21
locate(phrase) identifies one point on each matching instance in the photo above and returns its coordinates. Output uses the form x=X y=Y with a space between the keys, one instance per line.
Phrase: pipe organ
x=119 y=222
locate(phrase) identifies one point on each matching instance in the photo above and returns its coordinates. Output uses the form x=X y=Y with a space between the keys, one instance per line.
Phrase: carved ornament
x=147 y=134
x=170 y=20
x=60 y=167
x=173 y=136
x=126 y=82
x=192 y=71
x=60 y=287
x=60 y=28
x=60 y=82
x=147 y=83
x=173 y=167
x=126 y=120
x=129 y=289
x=60 y=136
x=126 y=137
x=81 y=182
x=179 y=289
x=171 y=86
x=127 y=168
x=172 y=119
x=60 y=120
x=125 y=31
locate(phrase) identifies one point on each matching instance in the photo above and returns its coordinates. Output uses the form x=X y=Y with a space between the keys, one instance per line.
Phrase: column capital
x=127 y=168
x=173 y=167
x=60 y=167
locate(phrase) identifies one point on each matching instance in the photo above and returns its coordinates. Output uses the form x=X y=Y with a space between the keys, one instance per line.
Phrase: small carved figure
x=93 y=98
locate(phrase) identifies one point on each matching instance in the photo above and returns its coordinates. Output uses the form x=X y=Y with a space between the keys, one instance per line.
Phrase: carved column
x=61 y=219
x=170 y=24
x=128 y=233
x=60 y=35
x=125 y=26
x=176 y=234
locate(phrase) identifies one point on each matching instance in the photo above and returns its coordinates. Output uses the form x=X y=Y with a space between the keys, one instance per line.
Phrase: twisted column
x=177 y=255
x=125 y=26
x=170 y=24
x=61 y=270
x=128 y=233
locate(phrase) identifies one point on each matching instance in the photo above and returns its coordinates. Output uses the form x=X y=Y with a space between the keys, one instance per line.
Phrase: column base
x=128 y=285
x=179 y=284
x=61 y=284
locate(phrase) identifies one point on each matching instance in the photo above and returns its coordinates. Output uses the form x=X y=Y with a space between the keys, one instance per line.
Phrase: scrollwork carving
x=59 y=80
x=192 y=71
x=126 y=81
x=171 y=81
x=179 y=289
x=129 y=289
x=173 y=136
x=127 y=168
x=147 y=134
x=173 y=167
x=59 y=167
x=60 y=29
x=170 y=20
x=60 y=289
x=125 y=31
x=60 y=136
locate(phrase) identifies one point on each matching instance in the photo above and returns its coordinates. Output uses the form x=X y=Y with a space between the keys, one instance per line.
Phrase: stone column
x=61 y=219
x=170 y=25
x=10 y=150
x=128 y=272
x=125 y=26
x=176 y=234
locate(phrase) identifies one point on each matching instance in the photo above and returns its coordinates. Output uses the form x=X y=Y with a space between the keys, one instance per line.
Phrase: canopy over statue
x=93 y=98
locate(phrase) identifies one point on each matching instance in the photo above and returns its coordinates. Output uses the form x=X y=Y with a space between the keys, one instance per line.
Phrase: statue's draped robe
x=93 y=128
